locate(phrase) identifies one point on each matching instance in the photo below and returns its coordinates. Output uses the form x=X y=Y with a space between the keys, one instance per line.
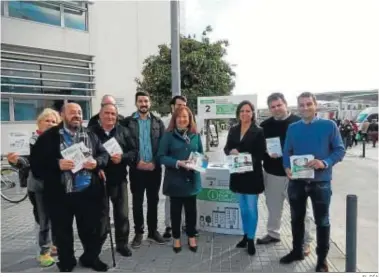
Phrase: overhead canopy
x=357 y=95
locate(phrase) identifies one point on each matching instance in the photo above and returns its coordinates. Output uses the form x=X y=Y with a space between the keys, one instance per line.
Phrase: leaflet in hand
x=299 y=167
x=240 y=163
x=75 y=153
x=198 y=162
x=112 y=147
x=274 y=146
x=19 y=142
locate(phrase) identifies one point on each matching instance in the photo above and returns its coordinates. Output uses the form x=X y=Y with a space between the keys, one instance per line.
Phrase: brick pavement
x=216 y=252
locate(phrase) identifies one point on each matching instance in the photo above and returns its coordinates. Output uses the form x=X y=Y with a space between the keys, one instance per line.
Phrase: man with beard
x=146 y=131
x=107 y=99
x=116 y=172
x=69 y=194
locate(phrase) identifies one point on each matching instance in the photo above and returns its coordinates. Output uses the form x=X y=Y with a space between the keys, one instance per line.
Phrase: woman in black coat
x=247 y=137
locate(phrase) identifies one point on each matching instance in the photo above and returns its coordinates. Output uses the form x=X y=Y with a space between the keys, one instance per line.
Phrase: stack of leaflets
x=78 y=153
x=112 y=147
x=299 y=167
x=274 y=147
x=240 y=163
x=198 y=162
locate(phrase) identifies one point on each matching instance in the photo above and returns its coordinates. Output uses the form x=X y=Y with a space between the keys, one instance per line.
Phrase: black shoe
x=267 y=239
x=137 y=241
x=322 y=266
x=167 y=233
x=242 y=243
x=291 y=257
x=192 y=248
x=176 y=249
x=156 y=237
x=96 y=265
x=124 y=251
x=68 y=267
x=250 y=247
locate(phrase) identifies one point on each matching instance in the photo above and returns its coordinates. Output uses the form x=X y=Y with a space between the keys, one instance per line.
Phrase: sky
x=293 y=46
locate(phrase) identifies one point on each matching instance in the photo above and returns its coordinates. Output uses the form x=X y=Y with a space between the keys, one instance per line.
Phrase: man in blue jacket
x=320 y=138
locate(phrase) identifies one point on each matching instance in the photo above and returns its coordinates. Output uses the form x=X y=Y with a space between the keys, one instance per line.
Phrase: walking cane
x=109 y=222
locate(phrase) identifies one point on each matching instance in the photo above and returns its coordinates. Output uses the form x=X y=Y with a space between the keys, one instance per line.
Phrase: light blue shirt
x=145 y=150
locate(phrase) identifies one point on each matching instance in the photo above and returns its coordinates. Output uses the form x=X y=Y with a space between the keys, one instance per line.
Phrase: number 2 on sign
x=207 y=108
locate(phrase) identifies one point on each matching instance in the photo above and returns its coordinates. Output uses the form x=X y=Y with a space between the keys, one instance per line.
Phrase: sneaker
x=267 y=240
x=156 y=237
x=137 y=241
x=46 y=260
x=291 y=257
x=53 y=251
x=167 y=233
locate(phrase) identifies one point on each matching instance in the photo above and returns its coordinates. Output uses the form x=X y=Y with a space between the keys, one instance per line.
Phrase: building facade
x=60 y=51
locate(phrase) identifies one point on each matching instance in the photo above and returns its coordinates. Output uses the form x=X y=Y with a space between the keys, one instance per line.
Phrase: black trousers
x=118 y=194
x=89 y=207
x=176 y=205
x=149 y=181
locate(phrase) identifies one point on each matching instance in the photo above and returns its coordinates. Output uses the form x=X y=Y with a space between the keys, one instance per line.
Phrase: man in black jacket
x=107 y=99
x=146 y=131
x=123 y=153
x=276 y=181
x=70 y=192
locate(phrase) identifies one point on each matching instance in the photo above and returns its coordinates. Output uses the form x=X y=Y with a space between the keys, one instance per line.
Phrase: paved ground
x=217 y=252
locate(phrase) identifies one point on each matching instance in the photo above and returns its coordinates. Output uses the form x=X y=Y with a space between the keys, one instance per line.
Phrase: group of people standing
x=305 y=135
x=146 y=145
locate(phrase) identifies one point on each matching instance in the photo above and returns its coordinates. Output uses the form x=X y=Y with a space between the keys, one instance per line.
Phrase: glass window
x=39 y=12
x=28 y=110
x=85 y=105
x=5 y=110
x=75 y=19
x=18 y=89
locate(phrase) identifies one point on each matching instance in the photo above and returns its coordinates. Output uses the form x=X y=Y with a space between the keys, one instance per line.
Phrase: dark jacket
x=179 y=182
x=254 y=143
x=45 y=156
x=116 y=173
x=346 y=130
x=156 y=132
x=95 y=120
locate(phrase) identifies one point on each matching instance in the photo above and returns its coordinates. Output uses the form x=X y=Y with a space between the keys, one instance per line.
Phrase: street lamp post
x=175 y=48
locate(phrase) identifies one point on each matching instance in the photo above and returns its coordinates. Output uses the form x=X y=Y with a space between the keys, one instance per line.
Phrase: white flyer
x=299 y=167
x=75 y=154
x=19 y=143
x=112 y=147
x=274 y=146
x=240 y=163
x=197 y=162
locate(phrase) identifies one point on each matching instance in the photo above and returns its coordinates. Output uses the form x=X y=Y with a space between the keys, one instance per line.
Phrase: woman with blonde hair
x=45 y=120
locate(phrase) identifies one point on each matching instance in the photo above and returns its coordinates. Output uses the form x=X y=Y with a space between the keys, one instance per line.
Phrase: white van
x=367 y=114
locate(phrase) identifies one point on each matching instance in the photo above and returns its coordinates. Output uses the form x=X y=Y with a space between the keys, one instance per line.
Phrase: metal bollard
x=364 y=148
x=351 y=233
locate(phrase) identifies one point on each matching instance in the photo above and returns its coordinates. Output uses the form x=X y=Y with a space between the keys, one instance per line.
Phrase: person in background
x=107 y=99
x=364 y=129
x=276 y=181
x=324 y=142
x=175 y=103
x=146 y=130
x=68 y=195
x=45 y=120
x=181 y=183
x=247 y=137
x=373 y=132
x=355 y=132
x=116 y=172
x=346 y=133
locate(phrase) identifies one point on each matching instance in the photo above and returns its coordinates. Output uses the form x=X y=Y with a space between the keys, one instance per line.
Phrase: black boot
x=242 y=243
x=250 y=247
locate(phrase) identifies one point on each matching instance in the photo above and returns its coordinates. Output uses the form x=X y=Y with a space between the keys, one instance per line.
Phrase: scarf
x=184 y=133
x=80 y=136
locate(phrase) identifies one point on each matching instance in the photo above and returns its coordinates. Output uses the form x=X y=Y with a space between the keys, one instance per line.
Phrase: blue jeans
x=320 y=194
x=249 y=213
